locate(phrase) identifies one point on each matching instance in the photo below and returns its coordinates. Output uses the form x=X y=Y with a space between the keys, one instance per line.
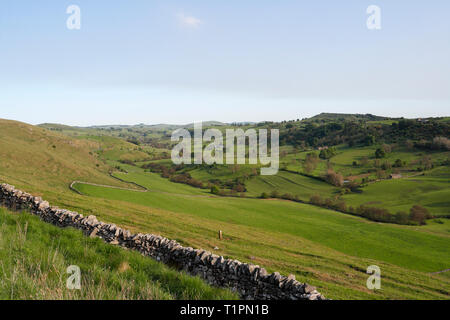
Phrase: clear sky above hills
x=146 y=61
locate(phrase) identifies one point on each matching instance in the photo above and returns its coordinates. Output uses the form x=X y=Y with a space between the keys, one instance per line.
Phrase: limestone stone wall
x=250 y=281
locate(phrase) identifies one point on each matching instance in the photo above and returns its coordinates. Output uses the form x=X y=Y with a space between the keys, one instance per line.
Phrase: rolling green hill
x=35 y=255
x=328 y=249
x=40 y=159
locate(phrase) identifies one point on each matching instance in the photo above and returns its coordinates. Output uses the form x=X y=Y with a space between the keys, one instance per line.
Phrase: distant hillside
x=36 y=157
x=152 y=127
x=348 y=117
x=55 y=126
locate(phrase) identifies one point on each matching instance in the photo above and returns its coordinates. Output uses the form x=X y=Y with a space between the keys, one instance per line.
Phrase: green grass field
x=286 y=182
x=35 y=256
x=327 y=234
x=325 y=248
x=430 y=190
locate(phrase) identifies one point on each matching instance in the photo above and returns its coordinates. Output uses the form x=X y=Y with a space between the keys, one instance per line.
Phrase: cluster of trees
x=276 y=195
x=127 y=161
x=426 y=163
x=177 y=174
x=134 y=141
x=164 y=171
x=417 y=216
x=327 y=153
x=334 y=204
x=172 y=174
x=438 y=143
x=380 y=153
x=215 y=189
x=186 y=178
x=331 y=132
x=399 y=163
x=418 y=130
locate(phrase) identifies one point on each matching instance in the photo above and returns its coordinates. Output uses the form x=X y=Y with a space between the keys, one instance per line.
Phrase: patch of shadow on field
x=439 y=204
x=415 y=180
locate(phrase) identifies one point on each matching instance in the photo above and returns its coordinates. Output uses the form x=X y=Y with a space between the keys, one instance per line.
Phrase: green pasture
x=35 y=255
x=430 y=190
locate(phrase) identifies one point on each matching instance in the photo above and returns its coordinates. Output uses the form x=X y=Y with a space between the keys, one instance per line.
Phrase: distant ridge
x=348 y=116
x=160 y=126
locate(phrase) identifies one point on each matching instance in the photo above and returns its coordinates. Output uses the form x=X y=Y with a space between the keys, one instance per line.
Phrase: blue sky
x=249 y=60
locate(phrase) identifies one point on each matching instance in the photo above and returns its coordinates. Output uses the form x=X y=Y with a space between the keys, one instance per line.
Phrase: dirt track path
x=446 y=270
x=105 y=186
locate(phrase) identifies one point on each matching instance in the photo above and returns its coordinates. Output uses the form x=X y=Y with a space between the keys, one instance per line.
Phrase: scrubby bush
x=215 y=189
x=316 y=200
x=311 y=162
x=380 y=153
x=264 y=195
x=399 y=163
x=274 y=194
x=419 y=214
x=334 y=178
x=441 y=143
x=402 y=218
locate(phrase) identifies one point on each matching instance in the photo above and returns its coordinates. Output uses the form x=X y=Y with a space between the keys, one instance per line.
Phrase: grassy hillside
x=327 y=249
x=39 y=159
x=287 y=182
x=430 y=189
x=35 y=255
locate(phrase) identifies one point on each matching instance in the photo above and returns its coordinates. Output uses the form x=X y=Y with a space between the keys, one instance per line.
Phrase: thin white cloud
x=189 y=21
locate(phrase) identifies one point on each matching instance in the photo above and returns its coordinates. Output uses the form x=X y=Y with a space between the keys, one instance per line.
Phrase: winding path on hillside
x=104 y=186
x=71 y=187
x=446 y=270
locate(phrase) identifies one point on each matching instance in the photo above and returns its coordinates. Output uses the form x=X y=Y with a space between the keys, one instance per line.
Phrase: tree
x=386 y=148
x=419 y=214
x=334 y=178
x=441 y=143
x=365 y=161
x=264 y=195
x=327 y=153
x=427 y=162
x=215 y=189
x=386 y=166
x=409 y=144
x=401 y=218
x=316 y=199
x=311 y=162
x=369 y=140
x=398 y=163
x=380 y=153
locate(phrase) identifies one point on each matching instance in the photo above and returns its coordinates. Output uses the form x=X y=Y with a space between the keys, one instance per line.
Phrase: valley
x=284 y=230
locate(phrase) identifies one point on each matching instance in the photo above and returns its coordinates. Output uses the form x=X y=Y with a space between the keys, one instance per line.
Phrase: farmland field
x=430 y=189
x=328 y=249
x=314 y=235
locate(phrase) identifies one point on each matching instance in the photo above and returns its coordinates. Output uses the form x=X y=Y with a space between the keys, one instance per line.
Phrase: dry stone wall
x=250 y=281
